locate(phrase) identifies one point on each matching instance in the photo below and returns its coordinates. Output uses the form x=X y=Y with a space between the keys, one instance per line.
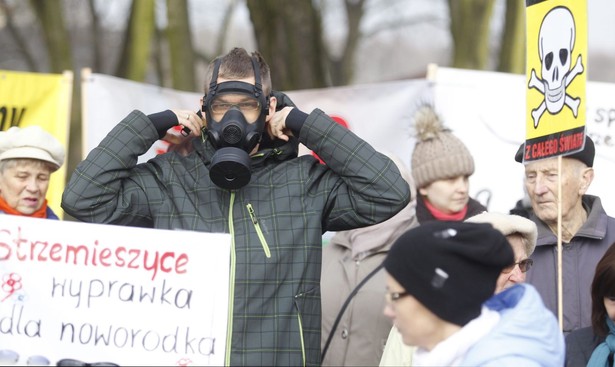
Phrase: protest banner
x=556 y=32
x=379 y=113
x=106 y=100
x=39 y=99
x=75 y=293
x=486 y=110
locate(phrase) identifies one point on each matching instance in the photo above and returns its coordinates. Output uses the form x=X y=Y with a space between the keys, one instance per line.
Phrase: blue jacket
x=526 y=335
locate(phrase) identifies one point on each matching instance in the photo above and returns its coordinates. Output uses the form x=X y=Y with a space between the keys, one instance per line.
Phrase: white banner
x=108 y=99
x=95 y=293
x=486 y=110
x=379 y=113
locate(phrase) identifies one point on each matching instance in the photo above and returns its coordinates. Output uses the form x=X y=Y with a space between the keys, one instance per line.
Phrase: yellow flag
x=44 y=100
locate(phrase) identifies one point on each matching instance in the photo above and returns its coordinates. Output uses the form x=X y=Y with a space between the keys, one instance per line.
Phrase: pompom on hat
x=451 y=268
x=31 y=142
x=438 y=154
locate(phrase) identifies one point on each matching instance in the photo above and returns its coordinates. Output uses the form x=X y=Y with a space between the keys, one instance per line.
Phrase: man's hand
x=189 y=124
x=277 y=125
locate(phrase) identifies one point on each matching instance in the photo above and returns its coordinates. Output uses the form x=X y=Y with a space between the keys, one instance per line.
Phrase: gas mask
x=235 y=124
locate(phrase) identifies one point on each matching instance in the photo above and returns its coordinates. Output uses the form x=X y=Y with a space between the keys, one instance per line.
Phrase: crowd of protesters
x=417 y=273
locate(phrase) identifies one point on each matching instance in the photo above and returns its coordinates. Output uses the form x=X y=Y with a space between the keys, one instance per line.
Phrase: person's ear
x=273 y=102
x=587 y=176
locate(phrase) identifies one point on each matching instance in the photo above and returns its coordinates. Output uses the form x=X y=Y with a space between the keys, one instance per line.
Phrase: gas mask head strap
x=257 y=89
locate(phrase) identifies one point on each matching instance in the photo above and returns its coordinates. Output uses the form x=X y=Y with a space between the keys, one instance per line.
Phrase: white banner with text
x=74 y=293
x=484 y=109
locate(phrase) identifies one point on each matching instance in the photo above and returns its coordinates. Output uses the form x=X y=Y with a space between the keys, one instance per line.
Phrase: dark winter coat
x=276 y=221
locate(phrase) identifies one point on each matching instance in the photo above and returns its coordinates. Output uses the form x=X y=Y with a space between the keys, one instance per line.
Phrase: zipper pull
x=252 y=215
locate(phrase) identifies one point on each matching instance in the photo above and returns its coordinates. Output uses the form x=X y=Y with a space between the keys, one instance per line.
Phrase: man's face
x=448 y=196
x=417 y=325
x=250 y=116
x=24 y=186
x=541 y=181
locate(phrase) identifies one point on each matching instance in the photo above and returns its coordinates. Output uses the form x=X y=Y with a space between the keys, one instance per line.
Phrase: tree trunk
x=342 y=70
x=96 y=38
x=180 y=45
x=470 y=31
x=20 y=41
x=138 y=41
x=49 y=12
x=288 y=34
x=512 y=53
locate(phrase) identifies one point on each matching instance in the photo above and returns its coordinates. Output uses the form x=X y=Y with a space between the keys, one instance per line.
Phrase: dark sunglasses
x=524 y=266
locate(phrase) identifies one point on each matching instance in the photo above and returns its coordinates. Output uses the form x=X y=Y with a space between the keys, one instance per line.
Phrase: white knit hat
x=509 y=224
x=31 y=142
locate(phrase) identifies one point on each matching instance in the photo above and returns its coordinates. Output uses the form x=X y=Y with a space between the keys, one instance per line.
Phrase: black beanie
x=586 y=155
x=450 y=267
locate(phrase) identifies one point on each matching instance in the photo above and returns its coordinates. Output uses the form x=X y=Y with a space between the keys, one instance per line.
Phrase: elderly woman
x=441 y=278
x=28 y=157
x=521 y=234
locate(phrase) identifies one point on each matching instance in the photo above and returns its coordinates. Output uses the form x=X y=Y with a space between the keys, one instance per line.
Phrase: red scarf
x=439 y=215
x=41 y=213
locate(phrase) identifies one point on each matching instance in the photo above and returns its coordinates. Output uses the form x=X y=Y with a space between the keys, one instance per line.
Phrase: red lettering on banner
x=544 y=149
x=25 y=249
x=571 y=142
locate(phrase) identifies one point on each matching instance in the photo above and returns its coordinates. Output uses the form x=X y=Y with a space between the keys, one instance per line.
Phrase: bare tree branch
x=20 y=41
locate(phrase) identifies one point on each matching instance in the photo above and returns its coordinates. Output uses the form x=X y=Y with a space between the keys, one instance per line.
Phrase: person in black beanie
x=441 y=279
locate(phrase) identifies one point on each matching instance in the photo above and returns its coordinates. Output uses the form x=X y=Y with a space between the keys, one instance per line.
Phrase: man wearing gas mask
x=242 y=176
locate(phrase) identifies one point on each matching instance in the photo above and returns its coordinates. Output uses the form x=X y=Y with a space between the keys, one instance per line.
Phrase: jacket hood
x=527 y=331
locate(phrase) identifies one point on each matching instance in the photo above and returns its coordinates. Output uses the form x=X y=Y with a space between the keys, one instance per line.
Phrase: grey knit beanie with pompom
x=438 y=154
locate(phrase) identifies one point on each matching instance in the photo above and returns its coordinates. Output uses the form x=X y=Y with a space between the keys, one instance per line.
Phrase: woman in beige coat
x=348 y=259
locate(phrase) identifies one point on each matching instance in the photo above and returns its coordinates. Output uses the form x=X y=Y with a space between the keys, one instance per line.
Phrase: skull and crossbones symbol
x=556 y=41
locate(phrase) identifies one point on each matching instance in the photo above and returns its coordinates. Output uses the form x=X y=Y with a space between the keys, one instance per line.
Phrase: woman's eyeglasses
x=524 y=266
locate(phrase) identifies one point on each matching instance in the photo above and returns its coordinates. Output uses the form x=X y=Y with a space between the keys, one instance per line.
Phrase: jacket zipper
x=257 y=227
x=229 y=327
x=300 y=327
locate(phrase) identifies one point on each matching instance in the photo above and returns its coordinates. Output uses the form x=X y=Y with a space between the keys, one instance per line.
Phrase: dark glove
x=282 y=99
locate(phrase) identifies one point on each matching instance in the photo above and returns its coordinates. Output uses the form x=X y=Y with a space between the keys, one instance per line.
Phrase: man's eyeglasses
x=245 y=106
x=394 y=296
x=524 y=266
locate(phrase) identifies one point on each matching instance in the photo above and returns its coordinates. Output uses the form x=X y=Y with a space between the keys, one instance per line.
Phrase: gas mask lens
x=250 y=107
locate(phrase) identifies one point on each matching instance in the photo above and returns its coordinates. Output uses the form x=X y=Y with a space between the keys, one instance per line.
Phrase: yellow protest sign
x=556 y=73
x=44 y=100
